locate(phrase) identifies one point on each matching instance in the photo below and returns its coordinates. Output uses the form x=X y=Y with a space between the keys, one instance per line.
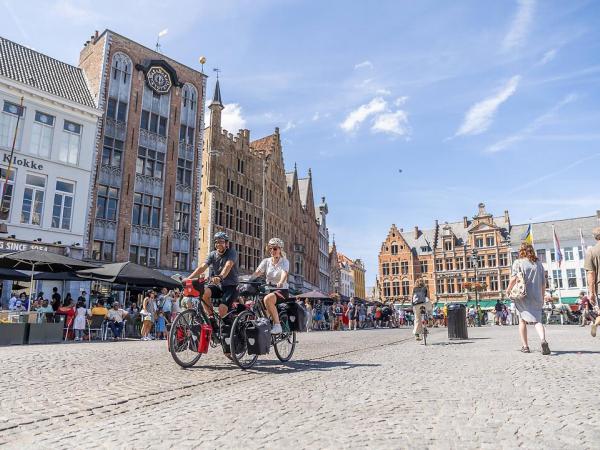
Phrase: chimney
x=466 y=222
x=507 y=217
x=416 y=232
x=401 y=230
x=96 y=34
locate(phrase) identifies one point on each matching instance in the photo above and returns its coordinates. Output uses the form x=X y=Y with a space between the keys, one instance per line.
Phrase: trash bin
x=457 y=321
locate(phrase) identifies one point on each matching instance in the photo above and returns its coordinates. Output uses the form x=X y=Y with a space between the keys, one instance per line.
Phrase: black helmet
x=221 y=235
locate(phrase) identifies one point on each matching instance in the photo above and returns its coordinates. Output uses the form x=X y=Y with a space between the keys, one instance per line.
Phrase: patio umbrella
x=313 y=294
x=130 y=274
x=41 y=261
x=59 y=276
x=12 y=274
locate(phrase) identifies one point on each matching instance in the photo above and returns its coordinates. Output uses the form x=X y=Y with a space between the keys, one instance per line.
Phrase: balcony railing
x=115 y=128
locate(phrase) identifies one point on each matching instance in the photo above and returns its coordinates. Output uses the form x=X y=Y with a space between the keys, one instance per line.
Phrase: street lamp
x=474 y=262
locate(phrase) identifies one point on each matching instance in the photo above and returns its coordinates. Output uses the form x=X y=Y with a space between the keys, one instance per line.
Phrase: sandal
x=525 y=349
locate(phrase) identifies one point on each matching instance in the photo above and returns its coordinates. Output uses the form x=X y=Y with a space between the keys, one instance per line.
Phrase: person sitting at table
x=100 y=309
x=115 y=317
x=18 y=306
x=12 y=301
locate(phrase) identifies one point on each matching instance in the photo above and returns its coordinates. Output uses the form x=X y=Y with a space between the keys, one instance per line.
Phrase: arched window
x=394 y=248
x=189 y=103
x=119 y=88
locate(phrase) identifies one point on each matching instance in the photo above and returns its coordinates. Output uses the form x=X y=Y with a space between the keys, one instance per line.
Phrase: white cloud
x=71 y=11
x=480 y=115
x=364 y=65
x=529 y=129
x=519 y=27
x=316 y=116
x=232 y=119
x=289 y=126
x=401 y=101
x=548 y=56
x=392 y=123
x=383 y=92
x=359 y=115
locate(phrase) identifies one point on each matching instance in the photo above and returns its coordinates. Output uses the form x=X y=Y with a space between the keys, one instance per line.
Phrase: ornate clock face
x=159 y=80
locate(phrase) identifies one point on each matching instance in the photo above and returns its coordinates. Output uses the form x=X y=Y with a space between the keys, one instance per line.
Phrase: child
x=161 y=325
x=80 y=320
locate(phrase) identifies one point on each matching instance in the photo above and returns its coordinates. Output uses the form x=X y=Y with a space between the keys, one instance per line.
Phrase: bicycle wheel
x=183 y=342
x=239 y=342
x=284 y=344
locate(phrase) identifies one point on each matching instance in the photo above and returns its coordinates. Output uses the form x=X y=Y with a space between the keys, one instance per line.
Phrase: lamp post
x=474 y=261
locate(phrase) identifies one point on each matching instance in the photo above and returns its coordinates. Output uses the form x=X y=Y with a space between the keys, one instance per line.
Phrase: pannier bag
x=248 y=290
x=193 y=288
x=258 y=335
x=297 y=316
x=204 y=341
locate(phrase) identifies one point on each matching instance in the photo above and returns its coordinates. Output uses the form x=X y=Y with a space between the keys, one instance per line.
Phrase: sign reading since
x=15 y=246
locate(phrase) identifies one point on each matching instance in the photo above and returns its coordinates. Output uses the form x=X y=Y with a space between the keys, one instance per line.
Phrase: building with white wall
x=570 y=277
x=47 y=188
x=324 y=274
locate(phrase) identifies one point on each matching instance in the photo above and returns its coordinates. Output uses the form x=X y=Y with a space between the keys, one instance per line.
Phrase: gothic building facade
x=247 y=193
x=145 y=206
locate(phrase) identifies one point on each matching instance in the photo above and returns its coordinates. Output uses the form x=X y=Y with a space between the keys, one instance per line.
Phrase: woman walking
x=148 y=315
x=529 y=307
x=420 y=299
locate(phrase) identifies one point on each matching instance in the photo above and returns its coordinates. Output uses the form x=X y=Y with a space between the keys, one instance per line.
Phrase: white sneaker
x=276 y=329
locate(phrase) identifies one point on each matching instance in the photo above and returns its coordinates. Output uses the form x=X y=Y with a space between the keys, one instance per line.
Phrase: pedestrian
x=350 y=314
x=55 y=299
x=338 y=311
x=148 y=315
x=420 y=299
x=161 y=325
x=592 y=267
x=318 y=314
x=498 y=315
x=345 y=317
x=309 y=315
x=80 y=322
x=584 y=310
x=530 y=307
x=509 y=316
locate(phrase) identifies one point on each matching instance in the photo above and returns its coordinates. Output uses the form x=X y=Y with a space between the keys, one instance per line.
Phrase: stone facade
x=358 y=269
x=236 y=174
x=324 y=276
x=145 y=206
x=453 y=258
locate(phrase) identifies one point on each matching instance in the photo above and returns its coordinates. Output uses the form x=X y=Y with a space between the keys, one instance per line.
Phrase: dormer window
x=448 y=245
x=394 y=248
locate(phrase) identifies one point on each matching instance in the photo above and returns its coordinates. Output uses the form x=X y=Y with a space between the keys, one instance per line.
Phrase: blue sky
x=493 y=101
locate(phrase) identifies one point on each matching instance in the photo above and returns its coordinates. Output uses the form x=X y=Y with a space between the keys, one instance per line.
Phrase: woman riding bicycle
x=420 y=300
x=275 y=268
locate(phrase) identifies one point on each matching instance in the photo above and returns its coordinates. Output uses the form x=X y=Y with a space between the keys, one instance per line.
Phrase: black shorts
x=226 y=294
x=282 y=295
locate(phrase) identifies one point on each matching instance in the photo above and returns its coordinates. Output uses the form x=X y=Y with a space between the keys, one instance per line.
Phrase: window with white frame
x=572 y=278
x=583 y=278
x=580 y=251
x=41 y=135
x=557 y=278
x=569 y=254
x=8 y=121
x=33 y=199
x=69 y=150
x=6 y=191
x=62 y=210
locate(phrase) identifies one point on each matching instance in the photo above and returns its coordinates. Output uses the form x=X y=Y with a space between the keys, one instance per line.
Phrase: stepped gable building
x=403 y=258
x=236 y=174
x=146 y=200
x=450 y=257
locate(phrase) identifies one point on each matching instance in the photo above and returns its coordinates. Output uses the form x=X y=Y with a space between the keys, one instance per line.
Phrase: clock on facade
x=159 y=79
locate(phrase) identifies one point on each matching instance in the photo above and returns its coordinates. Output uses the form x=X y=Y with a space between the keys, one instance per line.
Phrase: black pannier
x=297 y=316
x=247 y=290
x=258 y=336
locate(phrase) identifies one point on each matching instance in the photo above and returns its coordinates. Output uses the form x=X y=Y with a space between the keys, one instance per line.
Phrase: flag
x=558 y=255
x=528 y=236
x=582 y=243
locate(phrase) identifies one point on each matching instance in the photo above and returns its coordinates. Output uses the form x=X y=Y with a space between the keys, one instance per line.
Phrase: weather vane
x=217 y=70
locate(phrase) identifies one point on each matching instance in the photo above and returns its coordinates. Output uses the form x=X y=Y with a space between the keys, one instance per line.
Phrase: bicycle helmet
x=221 y=235
x=276 y=242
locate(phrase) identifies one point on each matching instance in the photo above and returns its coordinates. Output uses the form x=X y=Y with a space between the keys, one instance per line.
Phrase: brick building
x=146 y=201
x=447 y=257
x=236 y=174
x=358 y=270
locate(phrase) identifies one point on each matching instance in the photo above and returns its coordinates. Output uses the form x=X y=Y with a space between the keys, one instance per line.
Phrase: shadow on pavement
x=575 y=352
x=278 y=367
x=451 y=343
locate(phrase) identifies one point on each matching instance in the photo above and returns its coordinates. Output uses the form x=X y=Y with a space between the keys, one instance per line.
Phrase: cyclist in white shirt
x=275 y=268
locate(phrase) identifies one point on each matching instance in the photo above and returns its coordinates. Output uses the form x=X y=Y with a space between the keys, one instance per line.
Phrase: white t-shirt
x=273 y=271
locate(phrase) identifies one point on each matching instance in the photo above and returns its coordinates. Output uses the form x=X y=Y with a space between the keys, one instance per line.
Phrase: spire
x=309 y=173
x=217 y=96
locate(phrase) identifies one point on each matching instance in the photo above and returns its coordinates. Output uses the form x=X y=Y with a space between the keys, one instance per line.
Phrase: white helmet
x=276 y=242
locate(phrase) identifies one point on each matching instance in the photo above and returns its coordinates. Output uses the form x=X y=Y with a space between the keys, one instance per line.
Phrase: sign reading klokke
x=23 y=162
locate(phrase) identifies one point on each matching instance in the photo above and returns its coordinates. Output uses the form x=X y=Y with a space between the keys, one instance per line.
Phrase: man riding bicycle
x=223 y=276
x=276 y=269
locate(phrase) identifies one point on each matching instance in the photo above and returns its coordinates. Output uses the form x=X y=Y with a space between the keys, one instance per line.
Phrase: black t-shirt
x=216 y=262
x=498 y=307
x=55 y=301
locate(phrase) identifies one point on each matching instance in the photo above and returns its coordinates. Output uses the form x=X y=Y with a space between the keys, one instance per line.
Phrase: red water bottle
x=204 y=341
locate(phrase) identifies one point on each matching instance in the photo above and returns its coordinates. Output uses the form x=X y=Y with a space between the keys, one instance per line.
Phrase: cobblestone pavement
x=370 y=388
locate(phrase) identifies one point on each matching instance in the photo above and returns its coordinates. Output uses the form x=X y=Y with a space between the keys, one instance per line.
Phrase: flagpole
x=556 y=252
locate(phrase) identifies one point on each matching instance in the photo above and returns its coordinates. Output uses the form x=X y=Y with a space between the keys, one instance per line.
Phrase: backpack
x=519 y=289
x=419 y=297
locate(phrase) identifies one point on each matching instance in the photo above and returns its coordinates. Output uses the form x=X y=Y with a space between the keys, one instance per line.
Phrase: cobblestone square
x=369 y=388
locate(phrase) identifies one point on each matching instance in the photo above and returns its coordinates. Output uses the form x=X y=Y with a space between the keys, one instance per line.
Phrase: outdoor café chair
x=96 y=324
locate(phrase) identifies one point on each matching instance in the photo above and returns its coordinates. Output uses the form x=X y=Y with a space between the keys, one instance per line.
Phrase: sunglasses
x=273 y=248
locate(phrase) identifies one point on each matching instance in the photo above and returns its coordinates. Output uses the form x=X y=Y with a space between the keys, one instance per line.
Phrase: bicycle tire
x=238 y=342
x=183 y=341
x=281 y=339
